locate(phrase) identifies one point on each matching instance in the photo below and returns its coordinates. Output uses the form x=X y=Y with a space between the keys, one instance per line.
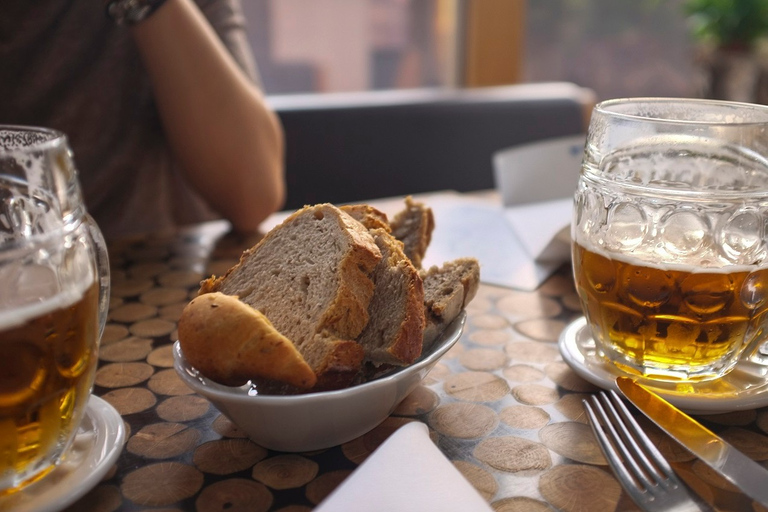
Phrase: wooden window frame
x=491 y=38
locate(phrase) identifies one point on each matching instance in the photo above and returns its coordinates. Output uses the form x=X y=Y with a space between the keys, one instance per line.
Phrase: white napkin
x=543 y=228
x=407 y=473
x=539 y=171
x=516 y=254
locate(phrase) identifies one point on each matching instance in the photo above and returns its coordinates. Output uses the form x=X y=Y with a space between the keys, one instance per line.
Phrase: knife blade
x=731 y=464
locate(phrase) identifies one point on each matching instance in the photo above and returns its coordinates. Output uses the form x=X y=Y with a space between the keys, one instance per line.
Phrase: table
x=502 y=405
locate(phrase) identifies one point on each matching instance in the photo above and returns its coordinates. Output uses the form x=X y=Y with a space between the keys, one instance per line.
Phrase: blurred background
x=614 y=47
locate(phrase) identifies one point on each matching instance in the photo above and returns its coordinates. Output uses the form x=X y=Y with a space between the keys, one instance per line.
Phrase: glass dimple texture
x=754 y=291
x=579 y=208
x=705 y=294
x=683 y=232
x=741 y=236
x=601 y=275
x=647 y=288
x=651 y=215
x=626 y=227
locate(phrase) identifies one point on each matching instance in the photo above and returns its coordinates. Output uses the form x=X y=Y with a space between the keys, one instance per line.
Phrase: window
x=352 y=45
x=615 y=47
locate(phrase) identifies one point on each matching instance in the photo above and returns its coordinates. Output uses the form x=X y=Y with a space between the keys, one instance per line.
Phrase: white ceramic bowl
x=314 y=421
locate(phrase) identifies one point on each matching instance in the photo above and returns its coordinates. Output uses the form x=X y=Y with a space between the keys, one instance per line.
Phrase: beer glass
x=670 y=254
x=53 y=303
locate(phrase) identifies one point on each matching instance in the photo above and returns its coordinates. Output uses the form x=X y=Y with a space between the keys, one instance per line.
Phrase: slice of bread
x=246 y=344
x=396 y=312
x=413 y=226
x=447 y=290
x=311 y=276
x=368 y=216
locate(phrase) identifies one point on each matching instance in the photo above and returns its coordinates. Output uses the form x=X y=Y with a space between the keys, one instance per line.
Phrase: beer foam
x=661 y=260
x=20 y=314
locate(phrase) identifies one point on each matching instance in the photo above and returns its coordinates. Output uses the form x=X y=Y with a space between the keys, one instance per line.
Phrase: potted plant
x=731 y=38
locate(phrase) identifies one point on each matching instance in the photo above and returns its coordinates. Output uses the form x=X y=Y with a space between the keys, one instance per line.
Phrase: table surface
x=501 y=405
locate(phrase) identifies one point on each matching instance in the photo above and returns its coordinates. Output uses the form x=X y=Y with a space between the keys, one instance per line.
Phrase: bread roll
x=230 y=342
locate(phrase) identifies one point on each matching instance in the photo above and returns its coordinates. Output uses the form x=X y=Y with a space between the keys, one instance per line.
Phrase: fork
x=639 y=466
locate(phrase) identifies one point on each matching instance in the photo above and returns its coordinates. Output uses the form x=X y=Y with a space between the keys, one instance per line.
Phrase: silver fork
x=639 y=466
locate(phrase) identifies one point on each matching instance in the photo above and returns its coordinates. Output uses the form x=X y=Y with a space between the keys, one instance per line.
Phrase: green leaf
x=728 y=22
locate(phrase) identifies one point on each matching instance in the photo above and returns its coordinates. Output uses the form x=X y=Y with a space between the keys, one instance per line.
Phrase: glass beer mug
x=53 y=302
x=670 y=241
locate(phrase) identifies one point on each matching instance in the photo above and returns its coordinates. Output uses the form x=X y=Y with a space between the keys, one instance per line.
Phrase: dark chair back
x=359 y=146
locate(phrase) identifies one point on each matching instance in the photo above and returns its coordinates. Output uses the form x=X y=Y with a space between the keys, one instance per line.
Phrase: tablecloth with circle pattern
x=501 y=405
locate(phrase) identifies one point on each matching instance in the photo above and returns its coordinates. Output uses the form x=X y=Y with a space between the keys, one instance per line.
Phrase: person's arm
x=229 y=143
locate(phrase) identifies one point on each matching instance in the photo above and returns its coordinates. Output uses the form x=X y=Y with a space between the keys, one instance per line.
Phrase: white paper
x=468 y=227
x=543 y=228
x=539 y=171
x=407 y=473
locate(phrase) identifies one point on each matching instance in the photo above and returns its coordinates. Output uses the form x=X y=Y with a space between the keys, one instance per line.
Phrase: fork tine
x=629 y=481
x=652 y=459
x=641 y=469
x=622 y=434
x=633 y=450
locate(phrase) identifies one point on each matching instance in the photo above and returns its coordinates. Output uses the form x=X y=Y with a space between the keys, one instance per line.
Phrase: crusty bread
x=413 y=226
x=321 y=294
x=230 y=342
x=368 y=216
x=311 y=277
x=396 y=312
x=447 y=290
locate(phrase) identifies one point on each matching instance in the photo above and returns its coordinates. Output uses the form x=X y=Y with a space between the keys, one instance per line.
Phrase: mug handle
x=102 y=268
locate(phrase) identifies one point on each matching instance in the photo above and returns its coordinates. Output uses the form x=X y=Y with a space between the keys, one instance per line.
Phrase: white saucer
x=745 y=387
x=95 y=449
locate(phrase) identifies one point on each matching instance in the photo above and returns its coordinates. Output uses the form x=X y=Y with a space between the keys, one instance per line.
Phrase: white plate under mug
x=744 y=387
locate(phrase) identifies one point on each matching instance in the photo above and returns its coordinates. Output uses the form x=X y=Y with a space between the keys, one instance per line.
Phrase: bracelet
x=131 y=12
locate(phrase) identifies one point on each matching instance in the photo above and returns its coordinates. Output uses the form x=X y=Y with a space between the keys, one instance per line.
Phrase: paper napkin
x=407 y=473
x=539 y=171
x=518 y=247
x=543 y=228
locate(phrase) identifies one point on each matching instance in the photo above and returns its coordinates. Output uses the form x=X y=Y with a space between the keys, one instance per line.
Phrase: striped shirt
x=64 y=65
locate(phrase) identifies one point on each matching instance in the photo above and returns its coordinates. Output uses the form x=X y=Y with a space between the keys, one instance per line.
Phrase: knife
x=731 y=464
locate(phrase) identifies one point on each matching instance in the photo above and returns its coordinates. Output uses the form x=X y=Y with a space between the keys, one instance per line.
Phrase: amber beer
x=670 y=319
x=47 y=364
